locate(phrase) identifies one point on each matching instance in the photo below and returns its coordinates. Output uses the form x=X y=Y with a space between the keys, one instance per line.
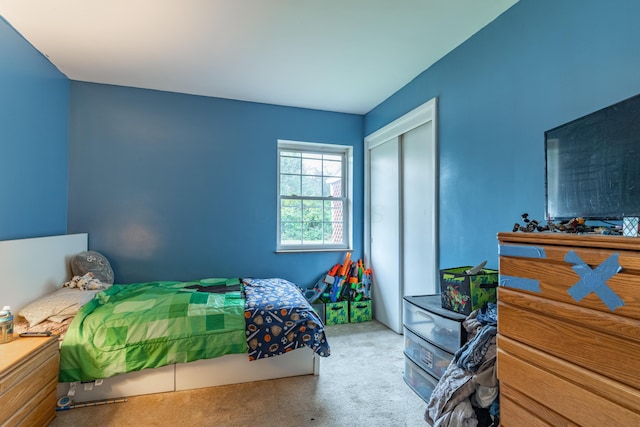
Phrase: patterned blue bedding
x=279 y=319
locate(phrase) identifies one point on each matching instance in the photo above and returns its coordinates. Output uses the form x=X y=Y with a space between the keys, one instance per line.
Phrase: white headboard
x=31 y=268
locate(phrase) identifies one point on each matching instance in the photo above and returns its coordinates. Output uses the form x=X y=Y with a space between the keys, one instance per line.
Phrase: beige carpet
x=360 y=384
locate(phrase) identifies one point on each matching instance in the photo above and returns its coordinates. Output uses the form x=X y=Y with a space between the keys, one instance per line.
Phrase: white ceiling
x=336 y=55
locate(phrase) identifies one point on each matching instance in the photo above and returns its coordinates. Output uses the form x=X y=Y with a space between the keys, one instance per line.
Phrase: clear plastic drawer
x=419 y=380
x=429 y=357
x=445 y=331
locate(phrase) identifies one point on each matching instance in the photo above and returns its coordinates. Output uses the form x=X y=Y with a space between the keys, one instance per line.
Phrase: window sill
x=288 y=251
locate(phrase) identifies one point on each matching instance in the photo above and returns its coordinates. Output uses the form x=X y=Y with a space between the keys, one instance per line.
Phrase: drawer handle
x=425 y=315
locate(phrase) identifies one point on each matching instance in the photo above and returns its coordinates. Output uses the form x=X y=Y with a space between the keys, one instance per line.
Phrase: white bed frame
x=31 y=268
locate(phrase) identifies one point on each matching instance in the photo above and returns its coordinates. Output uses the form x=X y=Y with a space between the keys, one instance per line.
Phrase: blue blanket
x=279 y=319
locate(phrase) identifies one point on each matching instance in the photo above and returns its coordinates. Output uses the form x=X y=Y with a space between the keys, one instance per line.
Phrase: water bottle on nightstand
x=6 y=325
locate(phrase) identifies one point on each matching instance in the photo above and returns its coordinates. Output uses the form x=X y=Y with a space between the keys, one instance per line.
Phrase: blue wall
x=174 y=186
x=540 y=64
x=34 y=110
x=177 y=186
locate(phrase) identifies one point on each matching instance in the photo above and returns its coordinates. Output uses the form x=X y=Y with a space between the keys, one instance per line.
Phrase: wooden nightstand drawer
x=28 y=381
x=37 y=412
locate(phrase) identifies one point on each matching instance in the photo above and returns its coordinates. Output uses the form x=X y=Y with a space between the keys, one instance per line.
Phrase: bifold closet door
x=385 y=233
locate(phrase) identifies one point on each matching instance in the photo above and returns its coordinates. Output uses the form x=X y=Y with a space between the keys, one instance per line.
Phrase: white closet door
x=385 y=233
x=418 y=234
x=401 y=206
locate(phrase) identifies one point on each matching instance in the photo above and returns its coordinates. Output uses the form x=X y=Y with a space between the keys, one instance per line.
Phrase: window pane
x=290 y=164
x=312 y=232
x=326 y=211
x=312 y=221
x=291 y=233
x=333 y=215
x=291 y=222
x=291 y=211
x=333 y=232
x=312 y=211
x=312 y=167
x=290 y=185
x=332 y=187
x=328 y=237
x=312 y=186
x=333 y=173
x=332 y=168
x=333 y=210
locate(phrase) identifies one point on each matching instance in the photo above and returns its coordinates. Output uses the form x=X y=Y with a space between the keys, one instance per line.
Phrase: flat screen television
x=593 y=165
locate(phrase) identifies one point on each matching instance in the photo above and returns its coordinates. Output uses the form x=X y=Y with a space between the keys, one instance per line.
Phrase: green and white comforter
x=132 y=327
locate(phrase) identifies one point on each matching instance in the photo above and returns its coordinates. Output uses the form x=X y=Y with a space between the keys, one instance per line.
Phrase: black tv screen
x=593 y=165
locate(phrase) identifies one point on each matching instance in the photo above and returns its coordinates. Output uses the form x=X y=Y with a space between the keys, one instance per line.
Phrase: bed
x=257 y=325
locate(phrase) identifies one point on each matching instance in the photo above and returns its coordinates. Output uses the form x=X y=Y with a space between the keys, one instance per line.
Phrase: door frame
x=422 y=114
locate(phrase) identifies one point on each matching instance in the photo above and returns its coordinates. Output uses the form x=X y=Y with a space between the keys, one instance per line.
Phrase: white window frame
x=347 y=224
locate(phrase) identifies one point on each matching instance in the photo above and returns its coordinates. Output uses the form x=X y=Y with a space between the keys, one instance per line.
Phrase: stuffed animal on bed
x=92 y=262
x=86 y=283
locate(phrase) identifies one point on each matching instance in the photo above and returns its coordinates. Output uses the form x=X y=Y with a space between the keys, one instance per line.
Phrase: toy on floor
x=316 y=292
x=349 y=281
x=340 y=279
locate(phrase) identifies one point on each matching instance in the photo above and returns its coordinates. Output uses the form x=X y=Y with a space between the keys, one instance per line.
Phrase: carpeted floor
x=360 y=384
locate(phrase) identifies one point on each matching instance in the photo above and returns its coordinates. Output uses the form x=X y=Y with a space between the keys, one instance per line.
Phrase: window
x=314 y=196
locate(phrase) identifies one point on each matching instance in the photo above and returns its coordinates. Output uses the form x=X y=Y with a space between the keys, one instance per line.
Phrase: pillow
x=61 y=304
x=92 y=262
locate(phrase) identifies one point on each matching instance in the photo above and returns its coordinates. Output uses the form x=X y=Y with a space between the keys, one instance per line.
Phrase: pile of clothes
x=467 y=393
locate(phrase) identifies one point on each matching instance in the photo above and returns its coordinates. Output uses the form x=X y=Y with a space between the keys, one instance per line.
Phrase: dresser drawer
x=587 y=398
x=435 y=325
x=429 y=357
x=419 y=380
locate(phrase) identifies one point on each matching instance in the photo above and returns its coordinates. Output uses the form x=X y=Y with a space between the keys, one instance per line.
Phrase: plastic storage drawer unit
x=429 y=357
x=437 y=325
x=419 y=381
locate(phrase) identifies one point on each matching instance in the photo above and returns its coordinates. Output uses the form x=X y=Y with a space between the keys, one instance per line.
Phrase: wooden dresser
x=28 y=381
x=569 y=330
